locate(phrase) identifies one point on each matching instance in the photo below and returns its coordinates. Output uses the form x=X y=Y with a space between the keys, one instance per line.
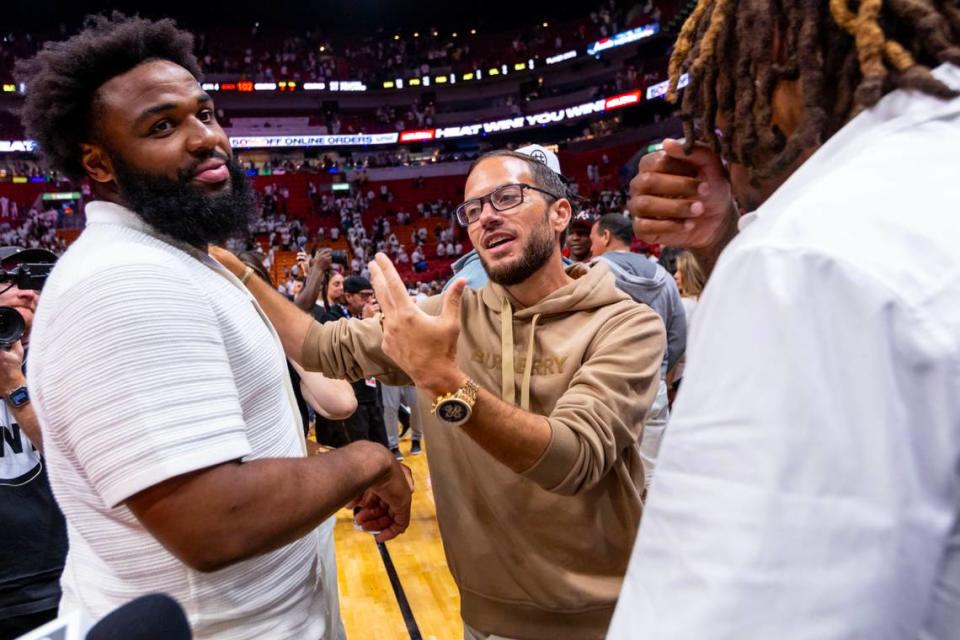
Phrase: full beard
x=184 y=211
x=536 y=252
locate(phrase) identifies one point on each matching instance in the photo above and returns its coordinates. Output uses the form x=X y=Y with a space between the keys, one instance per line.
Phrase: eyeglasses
x=502 y=198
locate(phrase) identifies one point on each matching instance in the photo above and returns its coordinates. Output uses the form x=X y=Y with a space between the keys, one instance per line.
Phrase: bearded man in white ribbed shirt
x=162 y=391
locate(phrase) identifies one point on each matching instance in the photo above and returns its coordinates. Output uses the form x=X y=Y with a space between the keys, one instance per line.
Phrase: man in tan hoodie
x=542 y=378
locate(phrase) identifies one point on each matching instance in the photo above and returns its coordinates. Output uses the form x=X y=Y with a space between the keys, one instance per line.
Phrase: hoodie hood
x=636 y=270
x=593 y=286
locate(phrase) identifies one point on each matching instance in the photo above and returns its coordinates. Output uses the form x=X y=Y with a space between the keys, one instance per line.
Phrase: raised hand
x=683 y=200
x=424 y=346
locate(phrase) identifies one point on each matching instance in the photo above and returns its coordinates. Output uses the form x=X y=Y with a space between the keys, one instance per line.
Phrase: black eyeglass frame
x=461 y=209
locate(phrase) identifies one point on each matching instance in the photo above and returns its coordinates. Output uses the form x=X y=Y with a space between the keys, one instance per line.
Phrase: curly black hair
x=62 y=80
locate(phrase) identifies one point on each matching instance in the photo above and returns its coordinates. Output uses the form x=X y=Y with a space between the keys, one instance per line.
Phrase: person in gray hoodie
x=648 y=283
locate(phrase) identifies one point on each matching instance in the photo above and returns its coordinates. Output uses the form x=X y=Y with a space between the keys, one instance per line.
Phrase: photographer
x=35 y=537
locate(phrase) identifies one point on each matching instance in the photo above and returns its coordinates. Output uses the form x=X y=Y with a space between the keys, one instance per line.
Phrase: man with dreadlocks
x=169 y=423
x=809 y=485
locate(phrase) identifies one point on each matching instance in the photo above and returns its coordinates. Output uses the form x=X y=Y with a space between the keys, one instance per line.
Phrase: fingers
x=394 y=282
x=667 y=232
x=701 y=156
x=383 y=522
x=408 y=474
x=451 y=300
x=227 y=259
x=660 y=161
x=664 y=184
x=389 y=533
x=649 y=206
x=379 y=281
x=390 y=290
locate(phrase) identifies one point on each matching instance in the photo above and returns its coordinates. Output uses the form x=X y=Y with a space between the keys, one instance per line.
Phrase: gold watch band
x=467 y=392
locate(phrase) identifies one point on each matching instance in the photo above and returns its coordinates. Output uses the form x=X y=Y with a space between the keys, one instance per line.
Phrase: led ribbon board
x=624 y=37
x=360 y=140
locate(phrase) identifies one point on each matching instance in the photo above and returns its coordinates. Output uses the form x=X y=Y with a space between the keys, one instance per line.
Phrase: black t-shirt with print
x=33 y=533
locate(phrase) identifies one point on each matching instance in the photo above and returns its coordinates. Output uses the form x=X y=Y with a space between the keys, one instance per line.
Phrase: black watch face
x=453 y=410
x=19 y=397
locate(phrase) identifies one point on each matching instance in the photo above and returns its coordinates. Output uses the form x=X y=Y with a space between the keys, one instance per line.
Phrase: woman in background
x=690 y=282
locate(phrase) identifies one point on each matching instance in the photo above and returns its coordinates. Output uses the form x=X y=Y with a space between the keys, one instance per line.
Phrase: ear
x=560 y=214
x=97 y=163
x=606 y=236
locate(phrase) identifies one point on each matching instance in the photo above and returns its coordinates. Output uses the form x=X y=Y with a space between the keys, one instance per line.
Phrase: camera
x=11 y=327
x=30 y=275
x=25 y=275
x=339 y=257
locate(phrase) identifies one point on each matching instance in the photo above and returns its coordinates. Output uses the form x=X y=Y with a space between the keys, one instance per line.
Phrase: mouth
x=212 y=171
x=498 y=244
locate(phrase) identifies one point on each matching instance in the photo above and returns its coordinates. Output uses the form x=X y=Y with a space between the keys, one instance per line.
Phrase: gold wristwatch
x=454 y=409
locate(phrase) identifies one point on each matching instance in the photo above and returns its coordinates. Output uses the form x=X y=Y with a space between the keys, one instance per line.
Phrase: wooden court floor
x=367 y=601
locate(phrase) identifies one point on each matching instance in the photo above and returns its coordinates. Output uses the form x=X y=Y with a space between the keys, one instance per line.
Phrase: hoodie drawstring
x=528 y=368
x=506 y=348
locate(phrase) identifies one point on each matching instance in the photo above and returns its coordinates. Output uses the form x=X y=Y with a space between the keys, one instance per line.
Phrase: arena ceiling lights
x=284 y=86
x=288 y=86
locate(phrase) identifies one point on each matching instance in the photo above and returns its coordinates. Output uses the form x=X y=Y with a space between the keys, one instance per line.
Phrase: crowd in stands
x=434 y=236
x=263 y=54
x=32 y=229
x=432 y=232
x=313 y=56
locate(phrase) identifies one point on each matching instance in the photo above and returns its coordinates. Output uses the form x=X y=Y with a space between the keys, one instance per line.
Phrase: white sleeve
x=807 y=481
x=135 y=382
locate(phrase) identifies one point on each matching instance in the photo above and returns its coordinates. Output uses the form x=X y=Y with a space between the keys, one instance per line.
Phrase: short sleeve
x=134 y=381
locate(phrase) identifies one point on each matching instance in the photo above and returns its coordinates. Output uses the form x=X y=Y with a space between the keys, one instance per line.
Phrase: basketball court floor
x=370 y=603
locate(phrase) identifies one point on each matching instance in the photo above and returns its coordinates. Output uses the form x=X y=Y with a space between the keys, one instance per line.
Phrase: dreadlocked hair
x=60 y=110
x=845 y=54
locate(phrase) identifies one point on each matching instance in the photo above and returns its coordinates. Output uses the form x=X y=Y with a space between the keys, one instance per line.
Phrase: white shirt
x=149 y=361
x=808 y=484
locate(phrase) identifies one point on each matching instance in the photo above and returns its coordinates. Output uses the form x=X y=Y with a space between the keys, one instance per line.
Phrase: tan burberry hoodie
x=539 y=555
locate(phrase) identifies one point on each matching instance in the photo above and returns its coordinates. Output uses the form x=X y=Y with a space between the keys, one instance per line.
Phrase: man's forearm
x=515 y=437
x=27 y=419
x=220 y=516
x=290 y=322
x=333 y=399
x=307 y=298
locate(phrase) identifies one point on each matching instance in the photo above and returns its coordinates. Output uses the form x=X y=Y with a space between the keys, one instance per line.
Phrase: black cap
x=356 y=284
x=583 y=219
x=12 y=256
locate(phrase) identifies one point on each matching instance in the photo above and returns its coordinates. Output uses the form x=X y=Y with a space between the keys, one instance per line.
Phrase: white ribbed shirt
x=148 y=361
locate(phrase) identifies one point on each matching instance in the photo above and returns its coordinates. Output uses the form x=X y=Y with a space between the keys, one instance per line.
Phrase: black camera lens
x=11 y=326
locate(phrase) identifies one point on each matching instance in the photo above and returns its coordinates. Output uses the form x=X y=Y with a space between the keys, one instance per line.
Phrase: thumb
x=451 y=299
x=700 y=156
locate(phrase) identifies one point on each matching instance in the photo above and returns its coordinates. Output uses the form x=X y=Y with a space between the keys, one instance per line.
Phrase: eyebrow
x=163 y=107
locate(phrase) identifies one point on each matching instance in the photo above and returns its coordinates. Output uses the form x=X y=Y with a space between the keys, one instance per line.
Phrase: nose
x=489 y=216
x=203 y=138
x=27 y=297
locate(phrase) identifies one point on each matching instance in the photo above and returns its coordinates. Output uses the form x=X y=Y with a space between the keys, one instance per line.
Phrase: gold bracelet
x=247 y=272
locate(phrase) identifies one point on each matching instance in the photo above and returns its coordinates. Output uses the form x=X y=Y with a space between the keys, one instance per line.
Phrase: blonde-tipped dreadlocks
x=846 y=55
